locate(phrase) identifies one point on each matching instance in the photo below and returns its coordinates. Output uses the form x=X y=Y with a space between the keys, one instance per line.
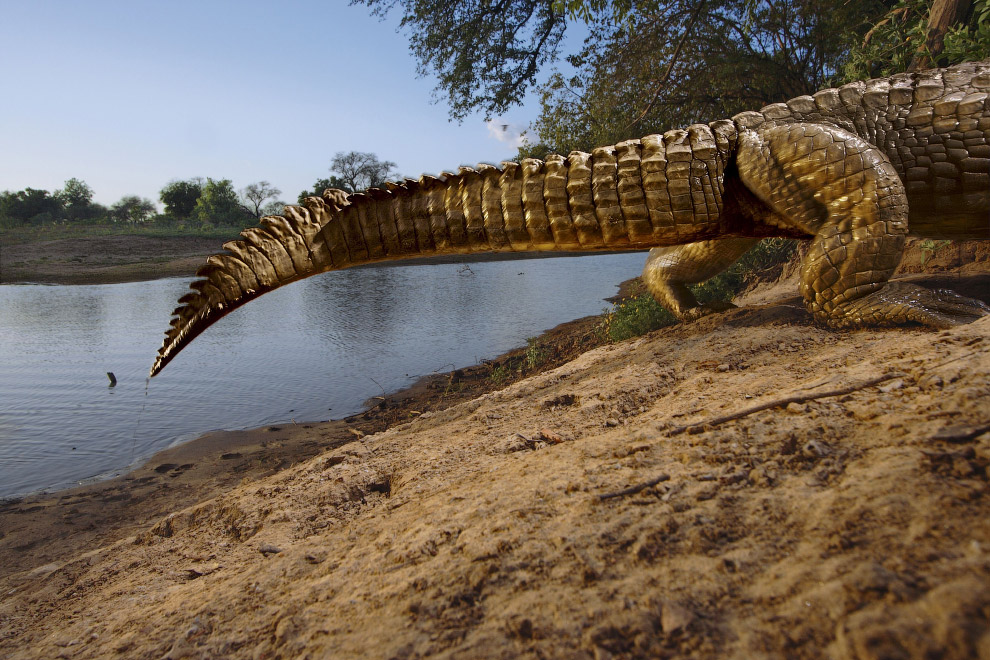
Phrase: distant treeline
x=195 y=203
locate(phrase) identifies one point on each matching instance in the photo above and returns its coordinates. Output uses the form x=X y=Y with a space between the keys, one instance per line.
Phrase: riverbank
x=562 y=514
x=104 y=259
x=748 y=485
x=112 y=259
x=50 y=526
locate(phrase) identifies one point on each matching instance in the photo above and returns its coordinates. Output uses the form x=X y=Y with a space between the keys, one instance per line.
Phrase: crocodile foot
x=899 y=303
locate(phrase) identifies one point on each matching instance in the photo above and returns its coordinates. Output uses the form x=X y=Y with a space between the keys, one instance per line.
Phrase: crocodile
x=853 y=169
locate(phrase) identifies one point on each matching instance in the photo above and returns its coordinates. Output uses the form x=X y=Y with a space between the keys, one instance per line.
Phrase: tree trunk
x=943 y=15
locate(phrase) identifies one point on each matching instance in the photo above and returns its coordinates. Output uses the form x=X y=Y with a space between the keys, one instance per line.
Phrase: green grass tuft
x=633 y=317
x=536 y=355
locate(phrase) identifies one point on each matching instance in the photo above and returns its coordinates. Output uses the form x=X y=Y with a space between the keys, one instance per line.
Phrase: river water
x=311 y=351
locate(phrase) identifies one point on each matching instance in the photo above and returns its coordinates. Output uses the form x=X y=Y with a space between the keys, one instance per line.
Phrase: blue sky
x=129 y=95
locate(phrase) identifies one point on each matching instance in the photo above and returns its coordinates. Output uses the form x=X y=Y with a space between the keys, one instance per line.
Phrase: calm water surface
x=313 y=350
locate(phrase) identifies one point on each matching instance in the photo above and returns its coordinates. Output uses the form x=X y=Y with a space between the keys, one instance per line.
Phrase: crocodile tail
x=635 y=195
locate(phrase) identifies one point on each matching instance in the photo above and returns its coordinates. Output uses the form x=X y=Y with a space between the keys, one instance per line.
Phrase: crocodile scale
x=854 y=169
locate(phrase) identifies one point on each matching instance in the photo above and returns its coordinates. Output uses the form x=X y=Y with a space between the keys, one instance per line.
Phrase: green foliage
x=972 y=40
x=767 y=255
x=930 y=247
x=179 y=197
x=650 y=66
x=900 y=40
x=536 y=354
x=76 y=198
x=484 y=54
x=132 y=209
x=274 y=207
x=499 y=374
x=640 y=314
x=29 y=206
x=890 y=45
x=633 y=317
x=189 y=206
x=587 y=10
x=218 y=205
x=322 y=184
x=671 y=63
x=353 y=171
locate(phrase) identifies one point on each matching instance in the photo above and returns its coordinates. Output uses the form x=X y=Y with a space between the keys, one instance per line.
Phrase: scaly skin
x=854 y=169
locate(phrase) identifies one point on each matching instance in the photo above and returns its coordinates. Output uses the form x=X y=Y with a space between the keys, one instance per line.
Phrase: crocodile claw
x=899 y=303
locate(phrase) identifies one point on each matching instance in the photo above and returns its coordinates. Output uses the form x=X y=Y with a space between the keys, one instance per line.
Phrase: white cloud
x=507 y=132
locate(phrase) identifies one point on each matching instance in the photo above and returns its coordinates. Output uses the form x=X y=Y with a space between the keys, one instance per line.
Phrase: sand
x=745 y=486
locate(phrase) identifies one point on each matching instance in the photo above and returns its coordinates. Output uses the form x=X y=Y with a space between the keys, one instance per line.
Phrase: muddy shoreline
x=564 y=515
x=64 y=522
x=560 y=512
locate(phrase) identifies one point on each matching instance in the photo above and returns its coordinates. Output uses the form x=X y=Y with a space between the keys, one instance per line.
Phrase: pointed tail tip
x=160 y=361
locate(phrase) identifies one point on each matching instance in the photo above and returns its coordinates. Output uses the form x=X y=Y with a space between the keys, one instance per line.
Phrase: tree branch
x=797 y=398
x=670 y=66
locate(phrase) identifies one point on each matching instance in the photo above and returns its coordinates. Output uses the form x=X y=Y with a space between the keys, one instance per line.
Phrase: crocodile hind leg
x=844 y=192
x=669 y=270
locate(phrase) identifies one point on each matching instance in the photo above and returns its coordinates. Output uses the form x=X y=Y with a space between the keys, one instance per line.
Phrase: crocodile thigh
x=845 y=192
x=835 y=186
x=669 y=270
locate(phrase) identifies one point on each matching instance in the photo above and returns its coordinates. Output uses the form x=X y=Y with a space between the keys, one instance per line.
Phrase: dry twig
x=797 y=398
x=632 y=490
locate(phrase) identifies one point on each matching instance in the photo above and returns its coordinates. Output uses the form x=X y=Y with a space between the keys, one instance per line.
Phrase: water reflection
x=310 y=351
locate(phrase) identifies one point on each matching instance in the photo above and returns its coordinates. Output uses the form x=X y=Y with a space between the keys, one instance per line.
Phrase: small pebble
x=674 y=617
x=892 y=385
x=815 y=449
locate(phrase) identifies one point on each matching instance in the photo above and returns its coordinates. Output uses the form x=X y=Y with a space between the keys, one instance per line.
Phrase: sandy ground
x=103 y=259
x=745 y=486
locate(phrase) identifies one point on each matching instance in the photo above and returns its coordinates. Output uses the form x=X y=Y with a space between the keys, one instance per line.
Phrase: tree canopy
x=650 y=65
x=179 y=197
x=133 y=210
x=671 y=63
x=218 y=204
x=76 y=198
x=191 y=204
x=486 y=53
x=917 y=34
x=359 y=170
x=29 y=206
x=255 y=196
x=353 y=171
x=322 y=184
